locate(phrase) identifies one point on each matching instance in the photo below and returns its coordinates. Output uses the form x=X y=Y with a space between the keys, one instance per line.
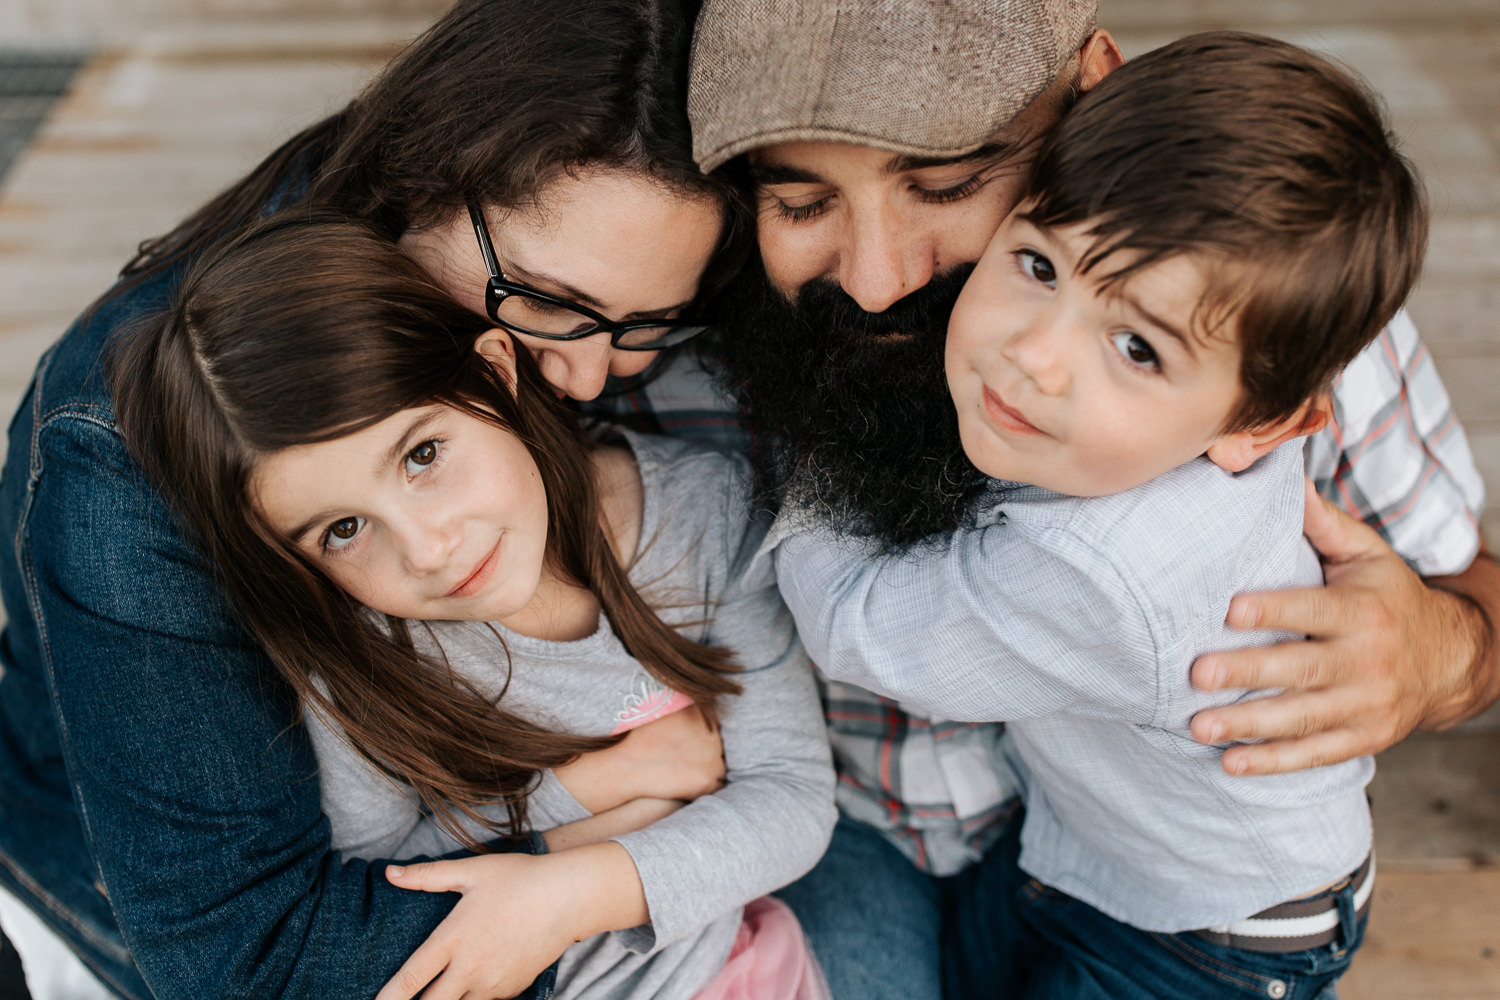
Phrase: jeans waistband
x=1301 y=923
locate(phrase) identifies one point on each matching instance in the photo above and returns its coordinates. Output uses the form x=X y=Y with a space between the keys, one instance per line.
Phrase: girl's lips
x=1007 y=417
x=479 y=577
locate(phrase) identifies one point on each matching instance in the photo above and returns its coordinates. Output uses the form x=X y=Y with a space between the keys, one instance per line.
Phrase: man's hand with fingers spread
x=1387 y=653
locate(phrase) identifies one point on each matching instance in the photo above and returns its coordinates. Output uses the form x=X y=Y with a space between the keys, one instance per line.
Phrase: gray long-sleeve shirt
x=1076 y=620
x=769 y=824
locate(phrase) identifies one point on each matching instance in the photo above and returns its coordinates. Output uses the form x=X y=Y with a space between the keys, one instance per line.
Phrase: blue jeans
x=884 y=930
x=1046 y=945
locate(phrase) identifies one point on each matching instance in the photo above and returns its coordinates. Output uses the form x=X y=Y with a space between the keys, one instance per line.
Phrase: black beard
x=850 y=410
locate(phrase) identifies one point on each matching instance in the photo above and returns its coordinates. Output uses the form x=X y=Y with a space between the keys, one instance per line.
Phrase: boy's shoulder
x=1182 y=542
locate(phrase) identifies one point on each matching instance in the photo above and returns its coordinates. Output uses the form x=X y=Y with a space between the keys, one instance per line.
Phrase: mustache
x=923 y=313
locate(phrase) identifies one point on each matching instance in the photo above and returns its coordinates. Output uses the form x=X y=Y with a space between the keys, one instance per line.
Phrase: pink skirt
x=770 y=959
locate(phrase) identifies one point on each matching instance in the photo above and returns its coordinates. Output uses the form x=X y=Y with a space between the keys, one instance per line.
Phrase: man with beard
x=883 y=143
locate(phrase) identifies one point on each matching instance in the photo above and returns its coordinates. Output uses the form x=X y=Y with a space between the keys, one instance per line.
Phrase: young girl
x=468 y=591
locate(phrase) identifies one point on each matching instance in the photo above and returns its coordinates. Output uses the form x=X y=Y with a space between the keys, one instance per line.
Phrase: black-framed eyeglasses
x=529 y=311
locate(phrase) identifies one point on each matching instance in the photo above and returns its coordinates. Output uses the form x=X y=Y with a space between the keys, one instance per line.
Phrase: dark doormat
x=31 y=81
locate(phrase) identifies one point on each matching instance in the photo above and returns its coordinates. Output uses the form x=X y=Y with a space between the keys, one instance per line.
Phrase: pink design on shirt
x=648 y=701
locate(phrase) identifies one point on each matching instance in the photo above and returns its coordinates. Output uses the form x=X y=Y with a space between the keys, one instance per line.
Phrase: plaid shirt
x=1394 y=455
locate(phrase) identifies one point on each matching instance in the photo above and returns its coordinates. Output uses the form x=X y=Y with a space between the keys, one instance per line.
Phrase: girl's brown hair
x=308 y=328
x=494 y=101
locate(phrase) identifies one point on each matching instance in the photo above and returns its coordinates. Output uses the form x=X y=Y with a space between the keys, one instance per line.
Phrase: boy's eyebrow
x=1161 y=324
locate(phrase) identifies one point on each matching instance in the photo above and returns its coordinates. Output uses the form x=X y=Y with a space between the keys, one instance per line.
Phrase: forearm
x=768 y=825
x=605 y=887
x=636 y=814
x=1472 y=682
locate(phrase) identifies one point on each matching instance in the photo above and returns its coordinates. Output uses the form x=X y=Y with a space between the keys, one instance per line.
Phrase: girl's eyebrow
x=419 y=423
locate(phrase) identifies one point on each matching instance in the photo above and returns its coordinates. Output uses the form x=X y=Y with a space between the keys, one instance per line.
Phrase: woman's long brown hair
x=492 y=102
x=309 y=328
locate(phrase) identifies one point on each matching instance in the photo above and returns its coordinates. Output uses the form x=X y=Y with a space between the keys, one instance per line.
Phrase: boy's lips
x=1007 y=417
x=481 y=575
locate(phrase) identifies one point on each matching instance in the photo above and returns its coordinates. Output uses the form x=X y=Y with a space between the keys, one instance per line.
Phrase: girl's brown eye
x=424 y=453
x=341 y=533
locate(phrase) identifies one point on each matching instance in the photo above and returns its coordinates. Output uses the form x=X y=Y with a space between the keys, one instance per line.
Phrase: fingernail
x=1215 y=732
x=1206 y=674
x=1244 y=614
x=394 y=871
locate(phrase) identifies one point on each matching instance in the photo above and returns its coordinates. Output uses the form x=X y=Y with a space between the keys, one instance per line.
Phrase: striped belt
x=1300 y=924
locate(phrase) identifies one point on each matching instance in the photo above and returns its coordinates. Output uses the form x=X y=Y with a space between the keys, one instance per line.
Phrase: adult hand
x=675 y=757
x=1387 y=652
x=518 y=914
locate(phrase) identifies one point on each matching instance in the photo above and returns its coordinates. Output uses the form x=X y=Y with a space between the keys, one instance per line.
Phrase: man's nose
x=881 y=261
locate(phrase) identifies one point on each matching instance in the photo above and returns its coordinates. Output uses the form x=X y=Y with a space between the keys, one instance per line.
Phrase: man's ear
x=1238 y=450
x=1098 y=58
x=497 y=347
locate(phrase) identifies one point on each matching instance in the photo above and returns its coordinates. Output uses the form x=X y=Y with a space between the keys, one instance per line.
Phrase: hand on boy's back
x=1385 y=653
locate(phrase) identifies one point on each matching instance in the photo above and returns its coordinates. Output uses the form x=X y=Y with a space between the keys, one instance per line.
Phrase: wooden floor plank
x=1432 y=936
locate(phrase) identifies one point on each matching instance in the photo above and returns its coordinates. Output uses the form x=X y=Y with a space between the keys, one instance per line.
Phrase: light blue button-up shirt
x=1077 y=620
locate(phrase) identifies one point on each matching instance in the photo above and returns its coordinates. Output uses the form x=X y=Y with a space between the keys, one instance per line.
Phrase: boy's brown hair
x=1276 y=168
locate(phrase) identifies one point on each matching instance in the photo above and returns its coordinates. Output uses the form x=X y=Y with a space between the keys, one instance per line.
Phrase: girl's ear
x=496 y=347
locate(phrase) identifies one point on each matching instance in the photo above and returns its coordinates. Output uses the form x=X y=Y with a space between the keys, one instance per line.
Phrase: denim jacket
x=159 y=803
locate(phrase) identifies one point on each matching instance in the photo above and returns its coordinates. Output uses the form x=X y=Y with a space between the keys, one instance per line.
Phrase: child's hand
x=675 y=757
x=518 y=914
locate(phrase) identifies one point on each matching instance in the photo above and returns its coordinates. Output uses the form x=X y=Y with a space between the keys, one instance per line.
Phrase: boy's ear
x=1238 y=450
x=497 y=347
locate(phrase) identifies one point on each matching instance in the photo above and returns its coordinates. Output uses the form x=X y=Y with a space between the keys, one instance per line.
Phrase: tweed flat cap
x=918 y=77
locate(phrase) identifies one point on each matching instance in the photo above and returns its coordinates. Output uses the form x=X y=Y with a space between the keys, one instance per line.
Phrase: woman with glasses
x=160 y=812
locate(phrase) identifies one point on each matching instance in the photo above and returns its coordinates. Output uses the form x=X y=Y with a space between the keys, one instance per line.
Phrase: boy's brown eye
x=1037 y=267
x=344 y=529
x=424 y=453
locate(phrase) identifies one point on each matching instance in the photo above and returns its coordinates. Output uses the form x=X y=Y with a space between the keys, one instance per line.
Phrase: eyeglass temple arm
x=482 y=234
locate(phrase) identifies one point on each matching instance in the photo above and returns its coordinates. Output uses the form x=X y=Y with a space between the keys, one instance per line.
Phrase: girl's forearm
x=634 y=815
x=599 y=886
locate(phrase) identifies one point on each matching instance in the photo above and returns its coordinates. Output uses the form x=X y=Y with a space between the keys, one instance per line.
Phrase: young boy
x=1205 y=241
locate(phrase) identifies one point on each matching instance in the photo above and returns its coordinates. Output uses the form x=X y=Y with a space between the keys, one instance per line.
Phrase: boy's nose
x=1041 y=351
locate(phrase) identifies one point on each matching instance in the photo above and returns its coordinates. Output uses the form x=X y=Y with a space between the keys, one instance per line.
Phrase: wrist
x=1477 y=685
x=603 y=889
